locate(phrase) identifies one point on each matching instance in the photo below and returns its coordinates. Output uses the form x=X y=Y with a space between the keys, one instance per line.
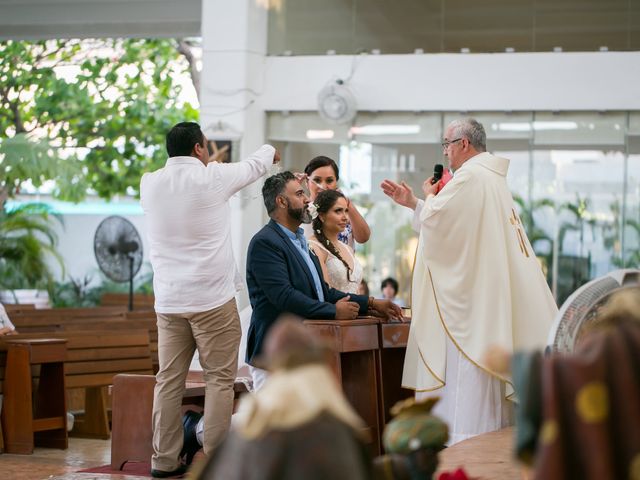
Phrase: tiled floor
x=485 y=457
x=53 y=464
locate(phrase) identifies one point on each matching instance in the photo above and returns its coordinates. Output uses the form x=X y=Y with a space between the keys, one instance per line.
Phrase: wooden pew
x=140 y=301
x=99 y=318
x=121 y=325
x=93 y=359
x=32 y=414
x=50 y=318
x=12 y=308
x=132 y=425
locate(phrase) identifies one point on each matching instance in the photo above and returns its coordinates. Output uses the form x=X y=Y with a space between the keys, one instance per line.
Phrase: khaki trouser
x=216 y=334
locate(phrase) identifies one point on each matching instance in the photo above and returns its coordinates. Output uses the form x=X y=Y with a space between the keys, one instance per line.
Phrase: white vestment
x=476 y=283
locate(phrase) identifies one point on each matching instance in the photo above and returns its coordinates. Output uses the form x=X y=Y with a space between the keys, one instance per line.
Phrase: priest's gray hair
x=472 y=130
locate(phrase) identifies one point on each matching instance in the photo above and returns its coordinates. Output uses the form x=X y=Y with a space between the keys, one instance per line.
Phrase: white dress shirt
x=189 y=230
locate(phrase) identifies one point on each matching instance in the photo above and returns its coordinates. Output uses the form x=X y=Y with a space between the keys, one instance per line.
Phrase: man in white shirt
x=195 y=283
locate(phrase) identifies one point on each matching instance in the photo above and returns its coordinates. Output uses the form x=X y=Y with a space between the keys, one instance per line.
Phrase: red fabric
x=446 y=176
x=458 y=474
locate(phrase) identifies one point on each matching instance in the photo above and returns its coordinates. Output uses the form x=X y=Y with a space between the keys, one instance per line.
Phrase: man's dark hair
x=390 y=281
x=319 y=162
x=274 y=186
x=182 y=138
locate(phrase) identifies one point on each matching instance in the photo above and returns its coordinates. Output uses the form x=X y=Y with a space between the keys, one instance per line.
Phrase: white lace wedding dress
x=337 y=272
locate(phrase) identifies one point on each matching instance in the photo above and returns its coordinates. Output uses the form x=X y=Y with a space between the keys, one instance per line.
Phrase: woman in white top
x=323 y=174
x=340 y=267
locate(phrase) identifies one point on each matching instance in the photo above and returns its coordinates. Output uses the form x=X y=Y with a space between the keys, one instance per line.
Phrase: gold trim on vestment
x=444 y=325
x=428 y=368
x=415 y=259
x=422 y=389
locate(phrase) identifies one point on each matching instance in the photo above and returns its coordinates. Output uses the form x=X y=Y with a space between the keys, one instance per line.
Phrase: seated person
x=340 y=267
x=299 y=426
x=6 y=327
x=283 y=276
x=389 y=288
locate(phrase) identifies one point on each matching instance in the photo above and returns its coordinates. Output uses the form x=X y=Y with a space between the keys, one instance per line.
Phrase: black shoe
x=190 y=445
x=174 y=473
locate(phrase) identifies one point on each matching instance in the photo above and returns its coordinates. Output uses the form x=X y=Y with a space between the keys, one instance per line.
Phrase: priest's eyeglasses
x=446 y=143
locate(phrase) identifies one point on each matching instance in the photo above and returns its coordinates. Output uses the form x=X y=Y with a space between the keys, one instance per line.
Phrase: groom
x=283 y=276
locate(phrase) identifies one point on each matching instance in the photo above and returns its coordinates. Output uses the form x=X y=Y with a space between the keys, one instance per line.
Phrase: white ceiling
x=43 y=19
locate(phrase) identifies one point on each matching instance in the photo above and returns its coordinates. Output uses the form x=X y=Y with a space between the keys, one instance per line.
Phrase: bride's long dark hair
x=325 y=202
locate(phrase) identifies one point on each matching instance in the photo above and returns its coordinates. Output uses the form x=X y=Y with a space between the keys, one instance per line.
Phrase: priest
x=476 y=284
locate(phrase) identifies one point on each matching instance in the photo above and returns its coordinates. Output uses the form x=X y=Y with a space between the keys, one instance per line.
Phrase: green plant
x=77 y=292
x=27 y=238
x=581 y=219
x=536 y=234
x=631 y=257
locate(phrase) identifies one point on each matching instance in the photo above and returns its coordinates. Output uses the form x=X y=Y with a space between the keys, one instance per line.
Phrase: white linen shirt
x=189 y=230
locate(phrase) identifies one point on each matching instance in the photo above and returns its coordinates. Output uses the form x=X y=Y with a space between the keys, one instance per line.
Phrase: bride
x=340 y=267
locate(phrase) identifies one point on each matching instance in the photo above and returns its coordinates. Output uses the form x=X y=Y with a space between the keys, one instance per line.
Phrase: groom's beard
x=302 y=215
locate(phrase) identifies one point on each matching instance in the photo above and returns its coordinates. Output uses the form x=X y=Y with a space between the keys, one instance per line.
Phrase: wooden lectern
x=355 y=362
x=368 y=360
x=393 y=345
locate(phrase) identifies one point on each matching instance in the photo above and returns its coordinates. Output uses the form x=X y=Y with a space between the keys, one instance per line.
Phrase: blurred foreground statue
x=412 y=441
x=579 y=413
x=298 y=426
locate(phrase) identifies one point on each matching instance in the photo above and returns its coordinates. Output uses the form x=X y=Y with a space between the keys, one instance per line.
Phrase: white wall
x=460 y=82
x=234 y=45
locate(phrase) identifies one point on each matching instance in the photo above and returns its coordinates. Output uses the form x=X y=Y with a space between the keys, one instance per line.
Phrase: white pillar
x=234 y=40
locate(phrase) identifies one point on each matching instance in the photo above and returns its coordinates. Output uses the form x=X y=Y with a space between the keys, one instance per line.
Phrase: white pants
x=471 y=402
x=259 y=376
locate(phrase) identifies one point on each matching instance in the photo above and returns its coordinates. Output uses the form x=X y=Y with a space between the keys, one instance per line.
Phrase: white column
x=234 y=38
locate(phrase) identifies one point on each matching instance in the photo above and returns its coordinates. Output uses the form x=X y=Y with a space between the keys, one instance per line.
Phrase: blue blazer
x=280 y=282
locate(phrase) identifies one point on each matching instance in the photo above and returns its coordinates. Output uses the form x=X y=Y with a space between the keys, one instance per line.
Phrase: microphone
x=437 y=173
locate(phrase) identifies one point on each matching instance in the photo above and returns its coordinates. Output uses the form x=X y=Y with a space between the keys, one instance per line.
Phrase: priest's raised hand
x=401 y=193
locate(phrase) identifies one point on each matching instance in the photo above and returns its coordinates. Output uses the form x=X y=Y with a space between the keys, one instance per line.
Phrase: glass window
x=575 y=177
x=306 y=27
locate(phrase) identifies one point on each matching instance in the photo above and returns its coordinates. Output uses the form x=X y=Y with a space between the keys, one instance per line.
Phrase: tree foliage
x=87 y=112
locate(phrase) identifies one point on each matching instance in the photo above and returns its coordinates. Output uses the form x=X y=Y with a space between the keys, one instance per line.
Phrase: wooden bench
x=121 y=325
x=93 y=359
x=100 y=318
x=132 y=400
x=32 y=414
x=12 y=308
x=140 y=301
x=50 y=318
